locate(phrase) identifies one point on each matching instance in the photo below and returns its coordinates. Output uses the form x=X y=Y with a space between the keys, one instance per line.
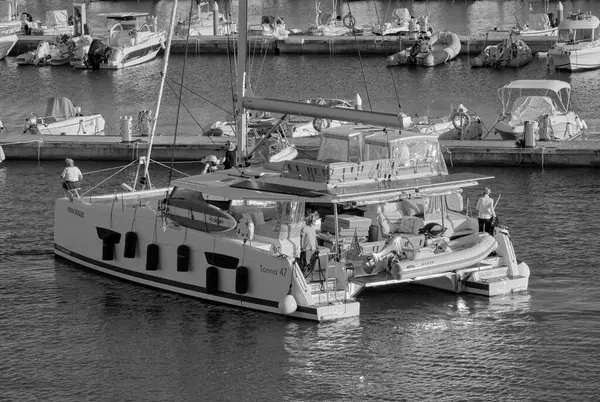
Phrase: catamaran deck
x=581 y=153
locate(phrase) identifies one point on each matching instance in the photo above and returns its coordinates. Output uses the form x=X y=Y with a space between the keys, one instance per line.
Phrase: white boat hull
x=128 y=56
x=572 y=59
x=6 y=44
x=78 y=228
x=558 y=123
x=83 y=125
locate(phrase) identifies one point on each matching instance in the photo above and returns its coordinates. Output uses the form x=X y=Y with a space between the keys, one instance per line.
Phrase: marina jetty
x=576 y=153
x=308 y=44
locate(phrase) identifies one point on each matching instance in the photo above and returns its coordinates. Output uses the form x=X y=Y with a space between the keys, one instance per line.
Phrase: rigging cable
x=187 y=41
x=362 y=68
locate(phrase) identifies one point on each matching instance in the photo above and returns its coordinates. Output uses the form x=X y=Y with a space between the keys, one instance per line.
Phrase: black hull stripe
x=181 y=285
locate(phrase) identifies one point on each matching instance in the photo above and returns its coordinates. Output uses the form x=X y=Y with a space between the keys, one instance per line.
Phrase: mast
x=163 y=77
x=242 y=117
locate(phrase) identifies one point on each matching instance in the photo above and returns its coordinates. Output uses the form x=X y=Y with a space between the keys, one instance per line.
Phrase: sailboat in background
x=245 y=236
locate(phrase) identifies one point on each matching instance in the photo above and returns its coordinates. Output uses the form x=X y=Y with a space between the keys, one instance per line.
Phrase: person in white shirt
x=308 y=239
x=71 y=178
x=485 y=212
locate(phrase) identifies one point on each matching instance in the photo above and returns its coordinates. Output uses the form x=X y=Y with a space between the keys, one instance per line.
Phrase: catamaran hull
x=6 y=44
x=94 y=236
x=488 y=283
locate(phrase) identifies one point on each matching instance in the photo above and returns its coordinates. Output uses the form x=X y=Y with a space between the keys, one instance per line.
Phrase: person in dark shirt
x=229 y=155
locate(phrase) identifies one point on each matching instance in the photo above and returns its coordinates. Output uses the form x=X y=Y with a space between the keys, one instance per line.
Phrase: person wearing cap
x=208 y=164
x=485 y=212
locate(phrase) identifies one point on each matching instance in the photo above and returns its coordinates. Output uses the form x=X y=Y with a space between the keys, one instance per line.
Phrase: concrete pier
x=578 y=153
x=307 y=44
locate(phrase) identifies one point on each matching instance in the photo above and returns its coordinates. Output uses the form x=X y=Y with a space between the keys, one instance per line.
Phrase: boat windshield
x=339 y=149
x=575 y=35
x=409 y=153
x=263 y=211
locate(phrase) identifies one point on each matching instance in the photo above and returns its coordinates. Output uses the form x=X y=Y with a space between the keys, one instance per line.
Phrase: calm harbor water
x=70 y=335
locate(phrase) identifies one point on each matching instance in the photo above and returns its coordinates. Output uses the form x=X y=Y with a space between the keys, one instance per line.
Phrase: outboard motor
x=98 y=53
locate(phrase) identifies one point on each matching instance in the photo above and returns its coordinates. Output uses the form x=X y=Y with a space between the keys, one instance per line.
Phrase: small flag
x=355 y=250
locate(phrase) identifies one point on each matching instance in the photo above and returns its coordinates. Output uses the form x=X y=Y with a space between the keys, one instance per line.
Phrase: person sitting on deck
x=208 y=164
x=71 y=177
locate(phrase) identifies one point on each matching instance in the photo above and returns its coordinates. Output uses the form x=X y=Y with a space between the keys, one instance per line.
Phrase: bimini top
x=553 y=85
x=234 y=185
x=123 y=16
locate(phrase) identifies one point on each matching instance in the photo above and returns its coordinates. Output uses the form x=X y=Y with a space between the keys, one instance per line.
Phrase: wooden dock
x=578 y=153
x=306 y=44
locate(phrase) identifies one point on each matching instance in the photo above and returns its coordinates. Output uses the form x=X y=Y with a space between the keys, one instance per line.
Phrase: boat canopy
x=557 y=90
x=60 y=108
x=552 y=85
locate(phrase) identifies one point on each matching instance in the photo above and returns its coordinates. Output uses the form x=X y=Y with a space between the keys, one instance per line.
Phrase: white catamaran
x=392 y=215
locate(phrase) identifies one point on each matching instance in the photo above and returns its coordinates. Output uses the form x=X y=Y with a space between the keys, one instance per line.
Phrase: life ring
x=279 y=21
x=461 y=121
x=349 y=21
x=321 y=124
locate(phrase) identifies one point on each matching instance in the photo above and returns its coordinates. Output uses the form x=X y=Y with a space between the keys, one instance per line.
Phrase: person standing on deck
x=71 y=178
x=308 y=239
x=485 y=212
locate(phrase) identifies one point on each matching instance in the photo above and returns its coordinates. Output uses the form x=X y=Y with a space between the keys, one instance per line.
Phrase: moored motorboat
x=439 y=48
x=133 y=38
x=400 y=25
x=63 y=118
x=9 y=27
x=577 y=46
x=445 y=119
x=547 y=103
x=39 y=57
x=512 y=52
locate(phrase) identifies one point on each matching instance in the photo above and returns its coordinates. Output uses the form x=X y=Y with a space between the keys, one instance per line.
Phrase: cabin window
x=572 y=35
x=183 y=193
x=261 y=211
x=340 y=149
